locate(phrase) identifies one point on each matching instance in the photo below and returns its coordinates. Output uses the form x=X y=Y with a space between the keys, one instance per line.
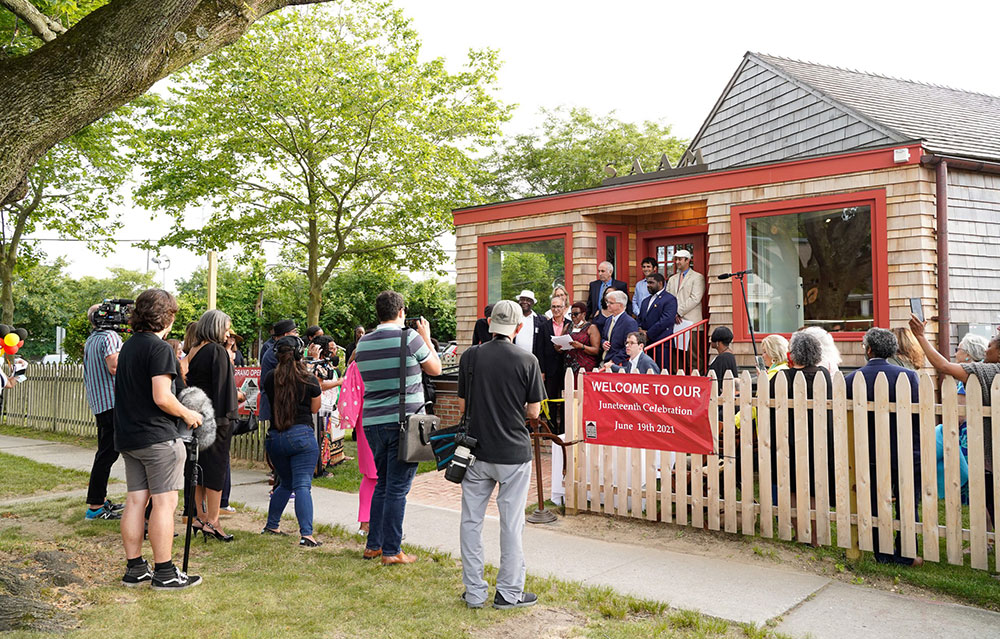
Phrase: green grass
x=976 y=587
x=268 y=587
x=47 y=435
x=346 y=477
x=23 y=477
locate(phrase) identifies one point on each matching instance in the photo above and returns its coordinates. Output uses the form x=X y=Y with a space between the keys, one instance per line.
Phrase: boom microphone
x=726 y=276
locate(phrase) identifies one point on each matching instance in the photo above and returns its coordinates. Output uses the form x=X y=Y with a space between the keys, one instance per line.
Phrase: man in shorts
x=146 y=412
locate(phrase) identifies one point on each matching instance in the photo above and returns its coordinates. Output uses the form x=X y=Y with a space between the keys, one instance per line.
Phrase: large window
x=814 y=263
x=534 y=265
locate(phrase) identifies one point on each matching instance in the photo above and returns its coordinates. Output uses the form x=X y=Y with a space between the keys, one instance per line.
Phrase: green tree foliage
x=326 y=133
x=70 y=191
x=569 y=150
x=532 y=271
x=17 y=37
x=237 y=295
x=46 y=297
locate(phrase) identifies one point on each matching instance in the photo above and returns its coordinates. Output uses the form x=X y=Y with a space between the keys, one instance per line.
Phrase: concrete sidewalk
x=809 y=605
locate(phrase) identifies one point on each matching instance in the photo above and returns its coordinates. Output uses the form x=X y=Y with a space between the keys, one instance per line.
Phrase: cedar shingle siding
x=764 y=116
x=974 y=248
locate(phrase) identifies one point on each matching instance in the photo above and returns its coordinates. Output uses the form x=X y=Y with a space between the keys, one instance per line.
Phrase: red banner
x=248 y=381
x=662 y=412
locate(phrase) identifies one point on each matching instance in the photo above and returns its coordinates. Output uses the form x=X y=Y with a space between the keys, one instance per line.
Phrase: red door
x=662 y=246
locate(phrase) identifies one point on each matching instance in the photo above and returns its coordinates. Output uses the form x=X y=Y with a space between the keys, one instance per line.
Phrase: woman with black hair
x=291 y=444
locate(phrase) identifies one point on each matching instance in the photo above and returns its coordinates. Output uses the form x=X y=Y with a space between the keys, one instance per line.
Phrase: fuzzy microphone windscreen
x=195 y=399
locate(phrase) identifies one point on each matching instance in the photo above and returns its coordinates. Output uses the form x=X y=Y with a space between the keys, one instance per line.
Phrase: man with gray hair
x=880 y=344
x=503 y=385
x=617 y=328
x=604 y=281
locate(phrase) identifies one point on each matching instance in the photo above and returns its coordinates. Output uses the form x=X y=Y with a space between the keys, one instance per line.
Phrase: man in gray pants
x=503 y=385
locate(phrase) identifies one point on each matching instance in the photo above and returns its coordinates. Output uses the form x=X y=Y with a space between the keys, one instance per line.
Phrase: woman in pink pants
x=352 y=398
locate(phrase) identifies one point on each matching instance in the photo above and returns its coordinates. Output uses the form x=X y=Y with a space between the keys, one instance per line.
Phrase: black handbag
x=414 y=430
x=246 y=424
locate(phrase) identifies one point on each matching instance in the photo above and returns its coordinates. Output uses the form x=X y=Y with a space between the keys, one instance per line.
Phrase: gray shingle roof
x=950 y=121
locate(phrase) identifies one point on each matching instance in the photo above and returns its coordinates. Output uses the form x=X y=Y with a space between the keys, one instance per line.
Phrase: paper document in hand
x=563 y=342
x=684 y=340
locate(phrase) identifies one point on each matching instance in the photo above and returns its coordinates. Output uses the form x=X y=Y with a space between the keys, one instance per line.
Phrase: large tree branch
x=108 y=58
x=41 y=25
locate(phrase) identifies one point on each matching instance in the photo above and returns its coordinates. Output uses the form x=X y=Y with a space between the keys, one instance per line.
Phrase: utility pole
x=213 y=269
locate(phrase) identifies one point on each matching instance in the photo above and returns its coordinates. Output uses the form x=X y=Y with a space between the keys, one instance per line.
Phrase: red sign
x=248 y=381
x=663 y=412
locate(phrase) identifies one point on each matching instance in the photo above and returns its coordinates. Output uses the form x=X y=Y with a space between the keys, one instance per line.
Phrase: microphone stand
x=746 y=305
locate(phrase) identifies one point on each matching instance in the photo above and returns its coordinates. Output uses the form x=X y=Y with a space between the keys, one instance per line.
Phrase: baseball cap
x=505 y=317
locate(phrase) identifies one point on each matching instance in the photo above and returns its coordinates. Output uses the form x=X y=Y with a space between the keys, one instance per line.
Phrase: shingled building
x=846 y=193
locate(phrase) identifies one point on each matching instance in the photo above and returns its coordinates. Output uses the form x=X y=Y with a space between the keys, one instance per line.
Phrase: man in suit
x=527 y=337
x=657 y=314
x=599 y=287
x=616 y=328
x=552 y=360
x=688 y=286
x=880 y=344
x=638 y=361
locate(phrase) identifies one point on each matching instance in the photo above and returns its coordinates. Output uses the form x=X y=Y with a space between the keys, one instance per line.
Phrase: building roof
x=777 y=109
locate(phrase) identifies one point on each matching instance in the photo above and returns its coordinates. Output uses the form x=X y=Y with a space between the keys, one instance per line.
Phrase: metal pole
x=746 y=305
x=540 y=516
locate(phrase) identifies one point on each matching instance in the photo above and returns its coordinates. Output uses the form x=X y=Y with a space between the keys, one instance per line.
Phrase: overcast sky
x=665 y=61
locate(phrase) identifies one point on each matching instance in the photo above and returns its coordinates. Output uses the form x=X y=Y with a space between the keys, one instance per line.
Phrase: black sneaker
x=527 y=599
x=115 y=508
x=469 y=604
x=175 y=580
x=137 y=575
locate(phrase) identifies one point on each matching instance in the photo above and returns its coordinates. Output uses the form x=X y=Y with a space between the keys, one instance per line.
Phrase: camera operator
x=506 y=387
x=100 y=360
x=146 y=436
x=323 y=364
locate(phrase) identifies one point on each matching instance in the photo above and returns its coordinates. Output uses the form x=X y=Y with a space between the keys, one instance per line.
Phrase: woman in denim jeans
x=294 y=394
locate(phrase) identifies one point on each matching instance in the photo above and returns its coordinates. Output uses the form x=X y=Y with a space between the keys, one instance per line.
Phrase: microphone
x=726 y=276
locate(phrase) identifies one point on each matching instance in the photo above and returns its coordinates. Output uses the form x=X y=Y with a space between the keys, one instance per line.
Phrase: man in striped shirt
x=378 y=358
x=100 y=360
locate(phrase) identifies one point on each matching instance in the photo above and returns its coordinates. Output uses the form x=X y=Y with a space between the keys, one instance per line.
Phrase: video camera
x=113 y=315
x=463 y=458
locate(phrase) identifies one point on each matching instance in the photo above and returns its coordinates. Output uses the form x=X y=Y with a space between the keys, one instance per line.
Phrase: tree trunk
x=7 y=289
x=110 y=57
x=316 y=281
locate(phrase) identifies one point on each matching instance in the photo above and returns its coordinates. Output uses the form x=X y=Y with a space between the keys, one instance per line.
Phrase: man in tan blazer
x=688 y=286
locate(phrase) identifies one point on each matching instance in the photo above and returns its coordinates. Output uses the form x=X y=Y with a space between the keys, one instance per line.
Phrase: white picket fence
x=705 y=491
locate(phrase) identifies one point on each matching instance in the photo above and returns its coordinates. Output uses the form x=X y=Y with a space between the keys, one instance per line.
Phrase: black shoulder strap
x=402 y=375
x=473 y=352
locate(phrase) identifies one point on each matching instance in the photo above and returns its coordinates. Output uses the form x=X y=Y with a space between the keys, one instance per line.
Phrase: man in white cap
x=688 y=286
x=527 y=336
x=503 y=386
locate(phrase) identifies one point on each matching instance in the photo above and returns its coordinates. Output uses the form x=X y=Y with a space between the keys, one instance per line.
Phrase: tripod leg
x=190 y=509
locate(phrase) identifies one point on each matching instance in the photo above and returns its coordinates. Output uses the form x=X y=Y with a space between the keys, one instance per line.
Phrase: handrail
x=693 y=356
x=666 y=339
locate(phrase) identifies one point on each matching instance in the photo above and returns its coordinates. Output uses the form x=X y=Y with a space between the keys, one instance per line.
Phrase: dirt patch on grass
x=537 y=623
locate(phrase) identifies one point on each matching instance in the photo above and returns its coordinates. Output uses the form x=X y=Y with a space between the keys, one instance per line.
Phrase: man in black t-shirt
x=506 y=387
x=146 y=412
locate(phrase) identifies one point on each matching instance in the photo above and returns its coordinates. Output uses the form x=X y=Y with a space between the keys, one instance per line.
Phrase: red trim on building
x=701 y=183
x=880 y=256
x=554 y=232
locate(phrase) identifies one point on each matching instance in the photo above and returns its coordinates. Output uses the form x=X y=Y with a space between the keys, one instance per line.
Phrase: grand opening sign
x=662 y=412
